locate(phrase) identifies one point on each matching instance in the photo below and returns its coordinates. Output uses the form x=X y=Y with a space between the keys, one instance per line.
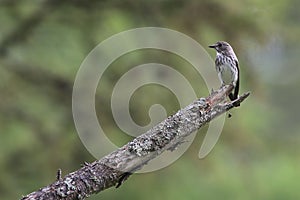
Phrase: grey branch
x=116 y=167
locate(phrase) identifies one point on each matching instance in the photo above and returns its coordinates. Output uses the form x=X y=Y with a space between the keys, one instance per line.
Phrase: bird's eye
x=219 y=45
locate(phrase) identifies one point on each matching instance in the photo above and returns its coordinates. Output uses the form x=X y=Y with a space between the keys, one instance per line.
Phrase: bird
x=227 y=67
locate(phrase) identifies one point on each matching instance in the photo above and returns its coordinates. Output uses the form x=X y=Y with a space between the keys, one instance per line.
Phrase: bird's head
x=221 y=47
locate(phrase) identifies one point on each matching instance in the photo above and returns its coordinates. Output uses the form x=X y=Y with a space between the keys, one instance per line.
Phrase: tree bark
x=115 y=168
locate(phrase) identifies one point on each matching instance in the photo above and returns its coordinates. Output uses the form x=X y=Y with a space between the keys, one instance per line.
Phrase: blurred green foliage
x=42 y=44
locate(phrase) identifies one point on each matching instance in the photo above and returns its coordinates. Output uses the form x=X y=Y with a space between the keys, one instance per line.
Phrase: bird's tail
x=233 y=96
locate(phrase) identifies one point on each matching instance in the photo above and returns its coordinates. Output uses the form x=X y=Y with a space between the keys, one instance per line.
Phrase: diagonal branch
x=116 y=167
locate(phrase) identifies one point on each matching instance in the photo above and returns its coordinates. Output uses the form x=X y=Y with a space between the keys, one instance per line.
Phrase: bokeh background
x=43 y=43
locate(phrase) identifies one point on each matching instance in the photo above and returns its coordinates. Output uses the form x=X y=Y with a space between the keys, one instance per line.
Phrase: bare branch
x=115 y=168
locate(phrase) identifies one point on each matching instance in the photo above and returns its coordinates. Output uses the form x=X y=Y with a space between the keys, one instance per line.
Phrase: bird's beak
x=212 y=46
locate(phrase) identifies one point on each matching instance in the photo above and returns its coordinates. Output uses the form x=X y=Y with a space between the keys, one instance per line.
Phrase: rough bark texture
x=116 y=167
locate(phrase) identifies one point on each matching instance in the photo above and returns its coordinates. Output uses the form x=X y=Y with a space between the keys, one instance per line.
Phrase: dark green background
x=42 y=44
